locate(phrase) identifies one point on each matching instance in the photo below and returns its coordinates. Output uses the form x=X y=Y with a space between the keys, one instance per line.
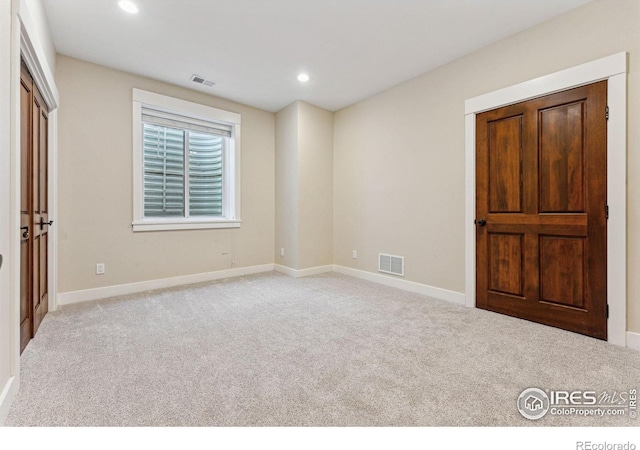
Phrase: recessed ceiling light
x=303 y=78
x=128 y=6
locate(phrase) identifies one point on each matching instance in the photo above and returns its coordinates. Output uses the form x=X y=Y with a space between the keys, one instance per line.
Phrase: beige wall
x=95 y=187
x=315 y=186
x=287 y=186
x=304 y=186
x=399 y=156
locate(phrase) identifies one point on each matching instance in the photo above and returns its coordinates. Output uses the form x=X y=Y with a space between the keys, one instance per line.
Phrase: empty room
x=318 y=213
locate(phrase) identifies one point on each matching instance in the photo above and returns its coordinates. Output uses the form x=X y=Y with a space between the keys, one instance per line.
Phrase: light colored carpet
x=324 y=350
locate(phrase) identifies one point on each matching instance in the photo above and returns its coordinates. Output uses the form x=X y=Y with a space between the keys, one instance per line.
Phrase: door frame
x=613 y=69
x=43 y=78
x=26 y=44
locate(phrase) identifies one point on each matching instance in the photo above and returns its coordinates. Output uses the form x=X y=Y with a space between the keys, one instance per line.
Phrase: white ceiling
x=254 y=49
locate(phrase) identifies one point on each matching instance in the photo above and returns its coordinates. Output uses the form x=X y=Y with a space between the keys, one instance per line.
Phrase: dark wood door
x=33 y=208
x=40 y=210
x=541 y=193
x=26 y=216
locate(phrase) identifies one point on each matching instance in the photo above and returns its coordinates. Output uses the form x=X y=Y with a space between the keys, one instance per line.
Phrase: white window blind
x=163 y=171
x=205 y=174
x=182 y=172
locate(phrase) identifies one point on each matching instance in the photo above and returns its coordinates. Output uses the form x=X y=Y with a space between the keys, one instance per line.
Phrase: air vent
x=391 y=264
x=200 y=80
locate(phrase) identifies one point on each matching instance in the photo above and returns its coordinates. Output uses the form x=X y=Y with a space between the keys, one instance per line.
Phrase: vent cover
x=201 y=80
x=391 y=264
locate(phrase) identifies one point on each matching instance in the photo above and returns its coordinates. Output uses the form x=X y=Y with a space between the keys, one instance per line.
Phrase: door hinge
x=606 y=212
x=607 y=310
x=606 y=114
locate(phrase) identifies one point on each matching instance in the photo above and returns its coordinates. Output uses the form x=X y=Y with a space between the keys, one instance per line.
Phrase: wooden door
x=26 y=216
x=40 y=210
x=34 y=219
x=541 y=193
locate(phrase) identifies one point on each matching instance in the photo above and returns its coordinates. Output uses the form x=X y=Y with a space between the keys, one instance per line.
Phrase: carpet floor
x=327 y=350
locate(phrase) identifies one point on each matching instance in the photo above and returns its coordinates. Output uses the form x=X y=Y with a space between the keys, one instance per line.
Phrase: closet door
x=541 y=205
x=40 y=208
x=34 y=217
x=26 y=213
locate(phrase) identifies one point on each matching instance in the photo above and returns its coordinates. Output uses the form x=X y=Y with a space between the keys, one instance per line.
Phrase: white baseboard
x=303 y=272
x=285 y=270
x=411 y=286
x=633 y=340
x=6 y=398
x=68 y=298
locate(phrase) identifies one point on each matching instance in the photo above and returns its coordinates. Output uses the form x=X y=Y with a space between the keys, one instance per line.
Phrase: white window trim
x=231 y=188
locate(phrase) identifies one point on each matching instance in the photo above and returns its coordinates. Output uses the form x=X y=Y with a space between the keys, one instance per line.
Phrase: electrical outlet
x=354 y=255
x=100 y=269
x=282 y=252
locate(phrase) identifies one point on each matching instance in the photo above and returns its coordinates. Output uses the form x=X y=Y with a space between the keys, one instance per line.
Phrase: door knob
x=25 y=234
x=43 y=223
x=481 y=222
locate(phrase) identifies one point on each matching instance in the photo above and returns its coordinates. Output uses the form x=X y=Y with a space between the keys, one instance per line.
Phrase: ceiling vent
x=391 y=264
x=200 y=80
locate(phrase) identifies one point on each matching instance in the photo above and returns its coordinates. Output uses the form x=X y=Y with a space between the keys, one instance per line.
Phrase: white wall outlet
x=282 y=252
x=354 y=254
x=100 y=269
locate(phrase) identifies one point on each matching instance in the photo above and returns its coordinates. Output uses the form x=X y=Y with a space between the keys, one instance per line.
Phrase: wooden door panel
x=43 y=279
x=505 y=165
x=36 y=283
x=541 y=192
x=39 y=209
x=35 y=187
x=26 y=320
x=24 y=283
x=25 y=148
x=43 y=264
x=25 y=305
x=562 y=270
x=43 y=173
x=561 y=158
x=35 y=163
x=506 y=253
x=44 y=206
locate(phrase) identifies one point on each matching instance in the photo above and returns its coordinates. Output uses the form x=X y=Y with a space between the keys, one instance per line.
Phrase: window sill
x=164 y=225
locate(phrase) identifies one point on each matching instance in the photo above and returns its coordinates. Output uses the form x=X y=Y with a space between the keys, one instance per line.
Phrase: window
x=186 y=164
